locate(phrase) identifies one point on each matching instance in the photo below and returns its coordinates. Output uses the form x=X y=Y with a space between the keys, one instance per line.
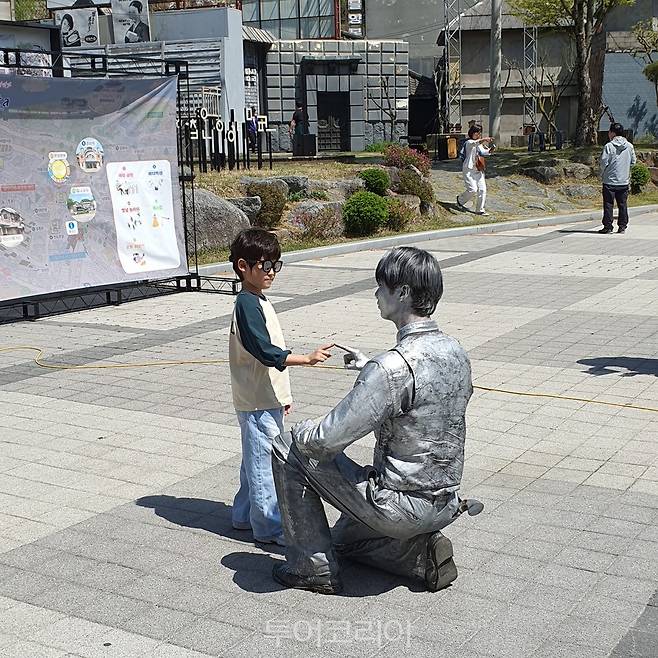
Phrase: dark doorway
x=333 y=121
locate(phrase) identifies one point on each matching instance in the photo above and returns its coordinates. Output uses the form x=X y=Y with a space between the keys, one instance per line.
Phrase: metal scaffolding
x=452 y=61
x=530 y=80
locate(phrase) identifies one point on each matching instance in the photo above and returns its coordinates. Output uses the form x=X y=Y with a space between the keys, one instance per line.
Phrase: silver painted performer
x=414 y=398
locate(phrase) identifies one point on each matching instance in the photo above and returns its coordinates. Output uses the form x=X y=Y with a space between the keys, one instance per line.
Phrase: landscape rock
x=317 y=219
x=579 y=191
x=411 y=201
x=337 y=189
x=577 y=170
x=427 y=208
x=296 y=184
x=585 y=158
x=547 y=161
x=394 y=175
x=217 y=220
x=250 y=206
x=276 y=184
x=542 y=174
x=654 y=175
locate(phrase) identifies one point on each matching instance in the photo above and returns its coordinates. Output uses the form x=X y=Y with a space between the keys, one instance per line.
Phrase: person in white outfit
x=473 y=177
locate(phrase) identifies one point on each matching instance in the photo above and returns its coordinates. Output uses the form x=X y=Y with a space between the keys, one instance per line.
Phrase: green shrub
x=297 y=196
x=378 y=147
x=402 y=156
x=411 y=184
x=400 y=215
x=640 y=176
x=273 y=200
x=376 y=180
x=319 y=195
x=364 y=213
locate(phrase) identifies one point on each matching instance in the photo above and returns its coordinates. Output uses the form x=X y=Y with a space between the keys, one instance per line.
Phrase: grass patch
x=648 y=196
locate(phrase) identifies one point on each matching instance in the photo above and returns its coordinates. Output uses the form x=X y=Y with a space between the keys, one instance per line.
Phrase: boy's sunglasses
x=267 y=265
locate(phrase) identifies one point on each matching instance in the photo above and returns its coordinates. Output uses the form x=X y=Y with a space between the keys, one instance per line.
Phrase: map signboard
x=88 y=184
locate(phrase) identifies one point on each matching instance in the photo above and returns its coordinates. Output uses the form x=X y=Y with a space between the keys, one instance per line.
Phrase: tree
x=582 y=20
x=647 y=41
x=546 y=86
x=387 y=105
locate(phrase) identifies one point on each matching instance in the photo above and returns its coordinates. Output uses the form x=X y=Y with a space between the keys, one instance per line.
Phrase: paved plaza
x=116 y=484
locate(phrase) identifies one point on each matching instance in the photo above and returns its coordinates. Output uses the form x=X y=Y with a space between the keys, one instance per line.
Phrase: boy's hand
x=287 y=410
x=320 y=355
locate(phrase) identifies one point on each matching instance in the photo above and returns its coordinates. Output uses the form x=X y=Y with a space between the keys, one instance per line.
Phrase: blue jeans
x=255 y=505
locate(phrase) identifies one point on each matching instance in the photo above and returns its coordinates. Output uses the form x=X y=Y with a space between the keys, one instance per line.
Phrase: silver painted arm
x=360 y=412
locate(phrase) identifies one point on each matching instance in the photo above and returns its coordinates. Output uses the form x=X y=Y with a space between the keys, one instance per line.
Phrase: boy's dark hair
x=417 y=269
x=254 y=244
x=617 y=128
x=474 y=129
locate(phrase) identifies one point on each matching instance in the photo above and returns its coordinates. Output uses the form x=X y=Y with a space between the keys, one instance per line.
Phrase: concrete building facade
x=346 y=87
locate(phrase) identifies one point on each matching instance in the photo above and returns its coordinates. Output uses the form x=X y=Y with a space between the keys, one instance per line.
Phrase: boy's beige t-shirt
x=257 y=355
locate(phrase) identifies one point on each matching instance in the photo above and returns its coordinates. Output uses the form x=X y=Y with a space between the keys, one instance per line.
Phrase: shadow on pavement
x=253 y=573
x=209 y=515
x=616 y=365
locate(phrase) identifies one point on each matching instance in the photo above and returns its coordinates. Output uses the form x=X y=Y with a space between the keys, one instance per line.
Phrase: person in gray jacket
x=616 y=160
x=414 y=399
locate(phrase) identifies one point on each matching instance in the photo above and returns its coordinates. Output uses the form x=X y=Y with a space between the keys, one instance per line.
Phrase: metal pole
x=495 y=91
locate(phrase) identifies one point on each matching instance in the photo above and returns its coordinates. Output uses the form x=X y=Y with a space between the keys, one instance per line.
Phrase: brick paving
x=116 y=485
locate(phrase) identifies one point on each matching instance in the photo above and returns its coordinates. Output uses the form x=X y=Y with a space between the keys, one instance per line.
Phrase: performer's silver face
x=388 y=302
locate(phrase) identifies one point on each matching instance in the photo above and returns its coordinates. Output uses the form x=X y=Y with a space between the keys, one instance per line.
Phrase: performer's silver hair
x=419 y=271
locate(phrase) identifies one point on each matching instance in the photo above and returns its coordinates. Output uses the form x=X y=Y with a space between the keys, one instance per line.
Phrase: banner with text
x=89 y=192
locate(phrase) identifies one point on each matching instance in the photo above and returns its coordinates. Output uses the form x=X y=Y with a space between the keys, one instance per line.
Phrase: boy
x=259 y=380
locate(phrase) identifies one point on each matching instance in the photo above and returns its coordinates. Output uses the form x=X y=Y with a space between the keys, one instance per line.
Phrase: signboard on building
x=79 y=27
x=355 y=5
x=78 y=210
x=130 y=21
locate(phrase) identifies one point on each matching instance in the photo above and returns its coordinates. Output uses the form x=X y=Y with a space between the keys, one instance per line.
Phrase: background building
x=294 y=19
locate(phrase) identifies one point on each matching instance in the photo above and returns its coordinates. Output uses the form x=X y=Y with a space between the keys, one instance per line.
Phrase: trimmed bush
x=640 y=176
x=400 y=215
x=411 y=184
x=274 y=199
x=376 y=180
x=364 y=213
x=402 y=156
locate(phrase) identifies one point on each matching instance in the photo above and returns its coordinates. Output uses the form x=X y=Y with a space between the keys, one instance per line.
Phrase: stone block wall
x=286 y=83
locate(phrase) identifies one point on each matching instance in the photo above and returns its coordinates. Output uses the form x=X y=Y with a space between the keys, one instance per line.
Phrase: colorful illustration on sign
x=81 y=204
x=12 y=228
x=90 y=155
x=58 y=166
x=143 y=208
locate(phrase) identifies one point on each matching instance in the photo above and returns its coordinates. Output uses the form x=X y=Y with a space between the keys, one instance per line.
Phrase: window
x=326 y=8
x=272 y=26
x=310 y=8
x=288 y=9
x=327 y=27
x=269 y=10
x=310 y=28
x=289 y=29
x=250 y=11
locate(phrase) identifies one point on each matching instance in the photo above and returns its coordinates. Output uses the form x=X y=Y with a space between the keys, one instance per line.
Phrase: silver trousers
x=379 y=527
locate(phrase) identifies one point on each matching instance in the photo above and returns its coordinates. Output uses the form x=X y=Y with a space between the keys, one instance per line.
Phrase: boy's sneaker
x=482 y=213
x=278 y=540
x=241 y=525
x=605 y=230
x=461 y=206
x=621 y=229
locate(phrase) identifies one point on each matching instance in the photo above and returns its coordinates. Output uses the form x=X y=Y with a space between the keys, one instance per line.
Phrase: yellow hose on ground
x=38 y=360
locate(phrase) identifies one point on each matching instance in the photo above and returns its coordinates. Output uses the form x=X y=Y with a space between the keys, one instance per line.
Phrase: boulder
x=536 y=206
x=577 y=170
x=277 y=184
x=337 y=189
x=250 y=206
x=411 y=201
x=217 y=220
x=580 y=191
x=427 y=208
x=654 y=175
x=394 y=175
x=295 y=184
x=317 y=219
x=547 y=161
x=542 y=174
x=585 y=158
x=416 y=171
